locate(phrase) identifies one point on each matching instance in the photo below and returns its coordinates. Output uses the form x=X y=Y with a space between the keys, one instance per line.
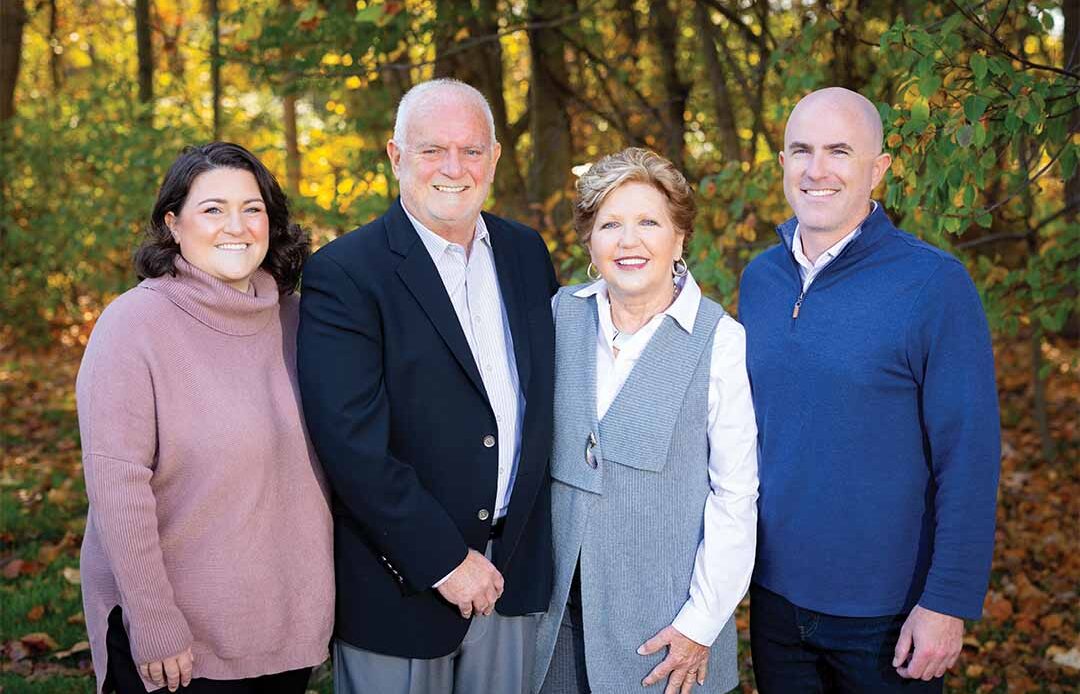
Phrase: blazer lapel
x=420 y=276
x=506 y=266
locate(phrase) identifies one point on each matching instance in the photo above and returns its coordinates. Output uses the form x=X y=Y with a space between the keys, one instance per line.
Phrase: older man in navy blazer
x=426 y=367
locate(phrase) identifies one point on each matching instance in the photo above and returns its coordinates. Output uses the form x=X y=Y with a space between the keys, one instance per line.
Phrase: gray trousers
x=495 y=657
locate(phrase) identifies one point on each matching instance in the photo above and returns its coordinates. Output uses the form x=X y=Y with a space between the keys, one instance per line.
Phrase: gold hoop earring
x=678 y=268
x=592 y=273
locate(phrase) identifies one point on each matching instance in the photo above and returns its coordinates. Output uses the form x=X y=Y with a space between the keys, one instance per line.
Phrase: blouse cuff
x=697 y=624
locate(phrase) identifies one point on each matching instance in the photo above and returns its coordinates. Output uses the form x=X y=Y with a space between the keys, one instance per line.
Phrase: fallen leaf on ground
x=39 y=642
x=71 y=575
x=35 y=613
x=79 y=647
x=1070 y=658
x=77 y=618
x=13 y=568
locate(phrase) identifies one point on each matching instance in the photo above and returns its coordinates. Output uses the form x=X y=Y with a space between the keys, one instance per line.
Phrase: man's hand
x=687 y=661
x=937 y=640
x=473 y=586
x=173 y=671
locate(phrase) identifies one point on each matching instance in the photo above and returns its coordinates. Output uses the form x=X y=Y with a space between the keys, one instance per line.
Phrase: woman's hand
x=174 y=671
x=687 y=661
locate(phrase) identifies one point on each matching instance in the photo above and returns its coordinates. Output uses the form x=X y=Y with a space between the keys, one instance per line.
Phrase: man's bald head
x=832 y=162
x=852 y=107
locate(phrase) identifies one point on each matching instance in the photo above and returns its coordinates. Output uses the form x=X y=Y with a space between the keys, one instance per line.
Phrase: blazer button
x=489 y=441
x=483 y=514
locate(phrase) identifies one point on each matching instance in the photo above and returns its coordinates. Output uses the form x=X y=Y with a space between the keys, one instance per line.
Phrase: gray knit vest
x=635 y=520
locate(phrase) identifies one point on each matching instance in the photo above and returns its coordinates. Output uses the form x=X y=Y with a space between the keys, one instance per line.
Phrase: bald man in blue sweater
x=873 y=383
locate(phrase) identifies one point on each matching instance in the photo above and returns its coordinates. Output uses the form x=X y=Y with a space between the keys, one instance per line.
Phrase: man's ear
x=881 y=164
x=394 y=153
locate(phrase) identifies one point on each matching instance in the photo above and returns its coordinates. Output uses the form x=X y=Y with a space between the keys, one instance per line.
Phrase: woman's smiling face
x=634 y=243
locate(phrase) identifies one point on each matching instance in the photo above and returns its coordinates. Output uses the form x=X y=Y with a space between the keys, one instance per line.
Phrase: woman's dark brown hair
x=289 y=244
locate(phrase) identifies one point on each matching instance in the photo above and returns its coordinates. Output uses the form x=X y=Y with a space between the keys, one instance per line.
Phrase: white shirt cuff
x=697 y=624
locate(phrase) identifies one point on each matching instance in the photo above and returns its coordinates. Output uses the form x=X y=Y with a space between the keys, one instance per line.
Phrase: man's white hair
x=431 y=91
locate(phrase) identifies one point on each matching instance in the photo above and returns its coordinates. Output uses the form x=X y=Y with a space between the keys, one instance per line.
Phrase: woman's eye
x=609 y=225
x=212 y=210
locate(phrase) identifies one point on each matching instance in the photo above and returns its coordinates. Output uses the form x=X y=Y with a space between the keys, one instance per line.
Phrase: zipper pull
x=798 y=305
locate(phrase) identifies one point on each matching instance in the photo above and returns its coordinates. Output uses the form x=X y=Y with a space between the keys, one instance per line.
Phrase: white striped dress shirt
x=473 y=287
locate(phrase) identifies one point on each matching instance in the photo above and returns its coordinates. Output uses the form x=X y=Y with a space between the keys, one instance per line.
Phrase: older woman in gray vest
x=655 y=465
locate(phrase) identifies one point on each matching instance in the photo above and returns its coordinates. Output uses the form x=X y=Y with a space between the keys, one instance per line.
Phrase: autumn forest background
x=981 y=104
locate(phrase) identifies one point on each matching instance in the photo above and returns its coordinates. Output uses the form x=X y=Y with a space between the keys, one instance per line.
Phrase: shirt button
x=476 y=319
x=489 y=441
x=483 y=514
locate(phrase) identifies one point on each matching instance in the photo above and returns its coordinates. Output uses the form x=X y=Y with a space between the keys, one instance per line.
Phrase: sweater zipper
x=798 y=305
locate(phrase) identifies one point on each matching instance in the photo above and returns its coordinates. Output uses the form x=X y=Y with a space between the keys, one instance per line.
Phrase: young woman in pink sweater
x=207 y=561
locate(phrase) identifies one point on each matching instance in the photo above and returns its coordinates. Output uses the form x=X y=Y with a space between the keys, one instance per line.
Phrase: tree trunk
x=666 y=32
x=1038 y=396
x=552 y=145
x=56 y=63
x=292 y=140
x=214 y=11
x=722 y=104
x=292 y=147
x=482 y=67
x=145 y=51
x=1071 y=61
x=12 y=19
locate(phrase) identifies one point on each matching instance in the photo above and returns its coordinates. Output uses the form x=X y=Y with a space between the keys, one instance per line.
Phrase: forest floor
x=1027 y=642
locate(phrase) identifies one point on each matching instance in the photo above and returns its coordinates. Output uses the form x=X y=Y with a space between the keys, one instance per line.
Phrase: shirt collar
x=683 y=310
x=832 y=251
x=436 y=245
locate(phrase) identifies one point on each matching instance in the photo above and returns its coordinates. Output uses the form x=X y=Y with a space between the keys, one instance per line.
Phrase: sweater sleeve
x=951 y=357
x=117 y=423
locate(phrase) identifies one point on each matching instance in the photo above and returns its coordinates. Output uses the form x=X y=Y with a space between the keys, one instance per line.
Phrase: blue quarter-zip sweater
x=878 y=423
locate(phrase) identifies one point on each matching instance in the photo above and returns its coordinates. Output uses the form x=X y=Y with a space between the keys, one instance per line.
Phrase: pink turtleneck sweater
x=208 y=520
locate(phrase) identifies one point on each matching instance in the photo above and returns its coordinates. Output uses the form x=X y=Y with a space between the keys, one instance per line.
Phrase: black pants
x=122 y=676
x=799 y=651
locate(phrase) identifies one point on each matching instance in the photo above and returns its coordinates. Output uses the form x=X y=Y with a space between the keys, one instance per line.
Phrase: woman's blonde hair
x=633 y=164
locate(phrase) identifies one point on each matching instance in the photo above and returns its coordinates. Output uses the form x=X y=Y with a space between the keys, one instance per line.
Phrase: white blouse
x=725 y=557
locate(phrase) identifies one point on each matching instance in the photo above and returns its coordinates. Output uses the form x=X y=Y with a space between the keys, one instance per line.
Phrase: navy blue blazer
x=398 y=414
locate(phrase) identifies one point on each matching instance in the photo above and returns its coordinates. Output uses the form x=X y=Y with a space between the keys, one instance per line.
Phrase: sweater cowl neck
x=214 y=303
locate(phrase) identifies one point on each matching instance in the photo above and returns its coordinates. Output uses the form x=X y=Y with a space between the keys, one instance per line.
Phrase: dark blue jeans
x=798 y=651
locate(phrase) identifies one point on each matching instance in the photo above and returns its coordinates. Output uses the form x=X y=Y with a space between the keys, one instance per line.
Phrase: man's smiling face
x=446 y=164
x=832 y=161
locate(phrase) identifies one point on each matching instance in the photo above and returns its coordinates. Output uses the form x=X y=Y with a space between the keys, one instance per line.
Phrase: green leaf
x=920 y=112
x=1068 y=161
x=975 y=106
x=978 y=66
x=371 y=13
x=984 y=219
x=1048 y=21
x=1012 y=122
x=965 y=135
x=980 y=134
